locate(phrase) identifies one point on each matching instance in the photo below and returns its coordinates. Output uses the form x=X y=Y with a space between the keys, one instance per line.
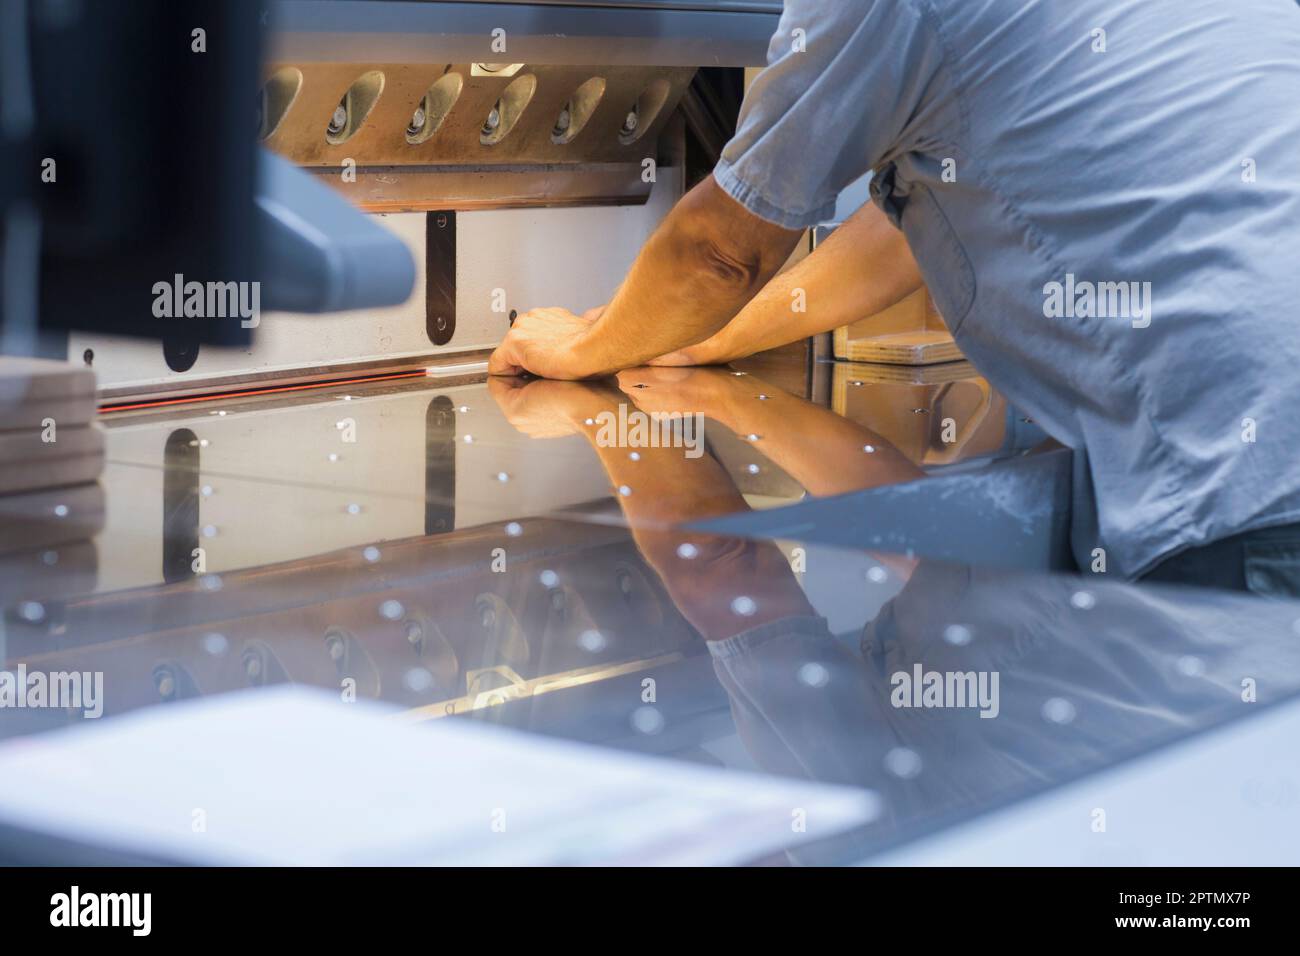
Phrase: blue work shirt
x=1104 y=199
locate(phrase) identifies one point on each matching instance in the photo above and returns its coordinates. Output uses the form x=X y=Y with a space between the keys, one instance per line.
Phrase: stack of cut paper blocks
x=51 y=456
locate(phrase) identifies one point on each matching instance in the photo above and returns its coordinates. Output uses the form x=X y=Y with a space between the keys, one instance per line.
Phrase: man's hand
x=546 y=342
x=684 y=391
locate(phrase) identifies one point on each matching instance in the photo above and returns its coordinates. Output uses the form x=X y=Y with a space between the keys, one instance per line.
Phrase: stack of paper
x=51 y=453
x=47 y=434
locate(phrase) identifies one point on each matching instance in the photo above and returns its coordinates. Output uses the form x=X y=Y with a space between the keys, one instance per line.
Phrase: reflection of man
x=738 y=594
x=1048 y=164
x=1078 y=689
x=722 y=586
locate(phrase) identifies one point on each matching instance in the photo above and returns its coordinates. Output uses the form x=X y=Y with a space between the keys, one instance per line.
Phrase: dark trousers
x=1264 y=562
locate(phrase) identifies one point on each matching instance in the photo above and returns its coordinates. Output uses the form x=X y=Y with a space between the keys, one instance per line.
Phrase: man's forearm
x=862 y=268
x=707 y=259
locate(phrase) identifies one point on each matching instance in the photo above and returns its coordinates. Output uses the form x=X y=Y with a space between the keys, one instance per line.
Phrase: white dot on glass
x=31 y=611
x=514 y=529
x=814 y=674
x=203 y=443
x=371 y=554
x=1058 y=710
x=210 y=582
x=957 y=635
x=333 y=456
x=647 y=720
x=869 y=449
x=417 y=679
x=50 y=558
x=687 y=551
x=634 y=455
x=464 y=408
x=209 y=531
x=1083 y=600
x=877 y=575
x=744 y=606
x=502 y=477
x=752 y=469
x=206 y=491
x=903 y=763
x=215 y=644
x=469 y=439
x=1191 y=666
x=589 y=421
x=61 y=511
x=391 y=609
x=762 y=398
x=592 y=641
x=624 y=490
x=549 y=578
x=752 y=437
x=354 y=509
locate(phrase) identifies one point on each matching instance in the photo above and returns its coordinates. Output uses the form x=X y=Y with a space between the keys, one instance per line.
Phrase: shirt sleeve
x=844 y=86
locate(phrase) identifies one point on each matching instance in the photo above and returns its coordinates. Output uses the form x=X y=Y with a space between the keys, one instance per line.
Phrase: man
x=1103 y=197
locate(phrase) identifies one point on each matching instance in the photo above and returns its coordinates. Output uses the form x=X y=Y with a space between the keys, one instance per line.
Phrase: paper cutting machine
x=522 y=152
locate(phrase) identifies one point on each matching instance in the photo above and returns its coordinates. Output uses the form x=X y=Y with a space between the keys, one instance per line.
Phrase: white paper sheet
x=295 y=776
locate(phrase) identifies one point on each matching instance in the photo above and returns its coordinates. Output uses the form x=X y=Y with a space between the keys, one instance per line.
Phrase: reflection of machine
x=935 y=415
x=437 y=629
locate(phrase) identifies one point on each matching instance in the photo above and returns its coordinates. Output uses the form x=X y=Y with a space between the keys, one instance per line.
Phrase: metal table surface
x=515 y=552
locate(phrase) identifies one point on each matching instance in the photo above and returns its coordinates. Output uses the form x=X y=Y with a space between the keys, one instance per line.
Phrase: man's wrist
x=592 y=356
x=715 y=350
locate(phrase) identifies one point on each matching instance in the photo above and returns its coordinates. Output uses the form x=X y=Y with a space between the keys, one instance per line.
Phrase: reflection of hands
x=823 y=451
x=546 y=342
x=549 y=409
x=669 y=391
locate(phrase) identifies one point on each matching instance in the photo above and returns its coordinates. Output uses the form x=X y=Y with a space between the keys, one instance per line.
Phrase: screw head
x=339 y=119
